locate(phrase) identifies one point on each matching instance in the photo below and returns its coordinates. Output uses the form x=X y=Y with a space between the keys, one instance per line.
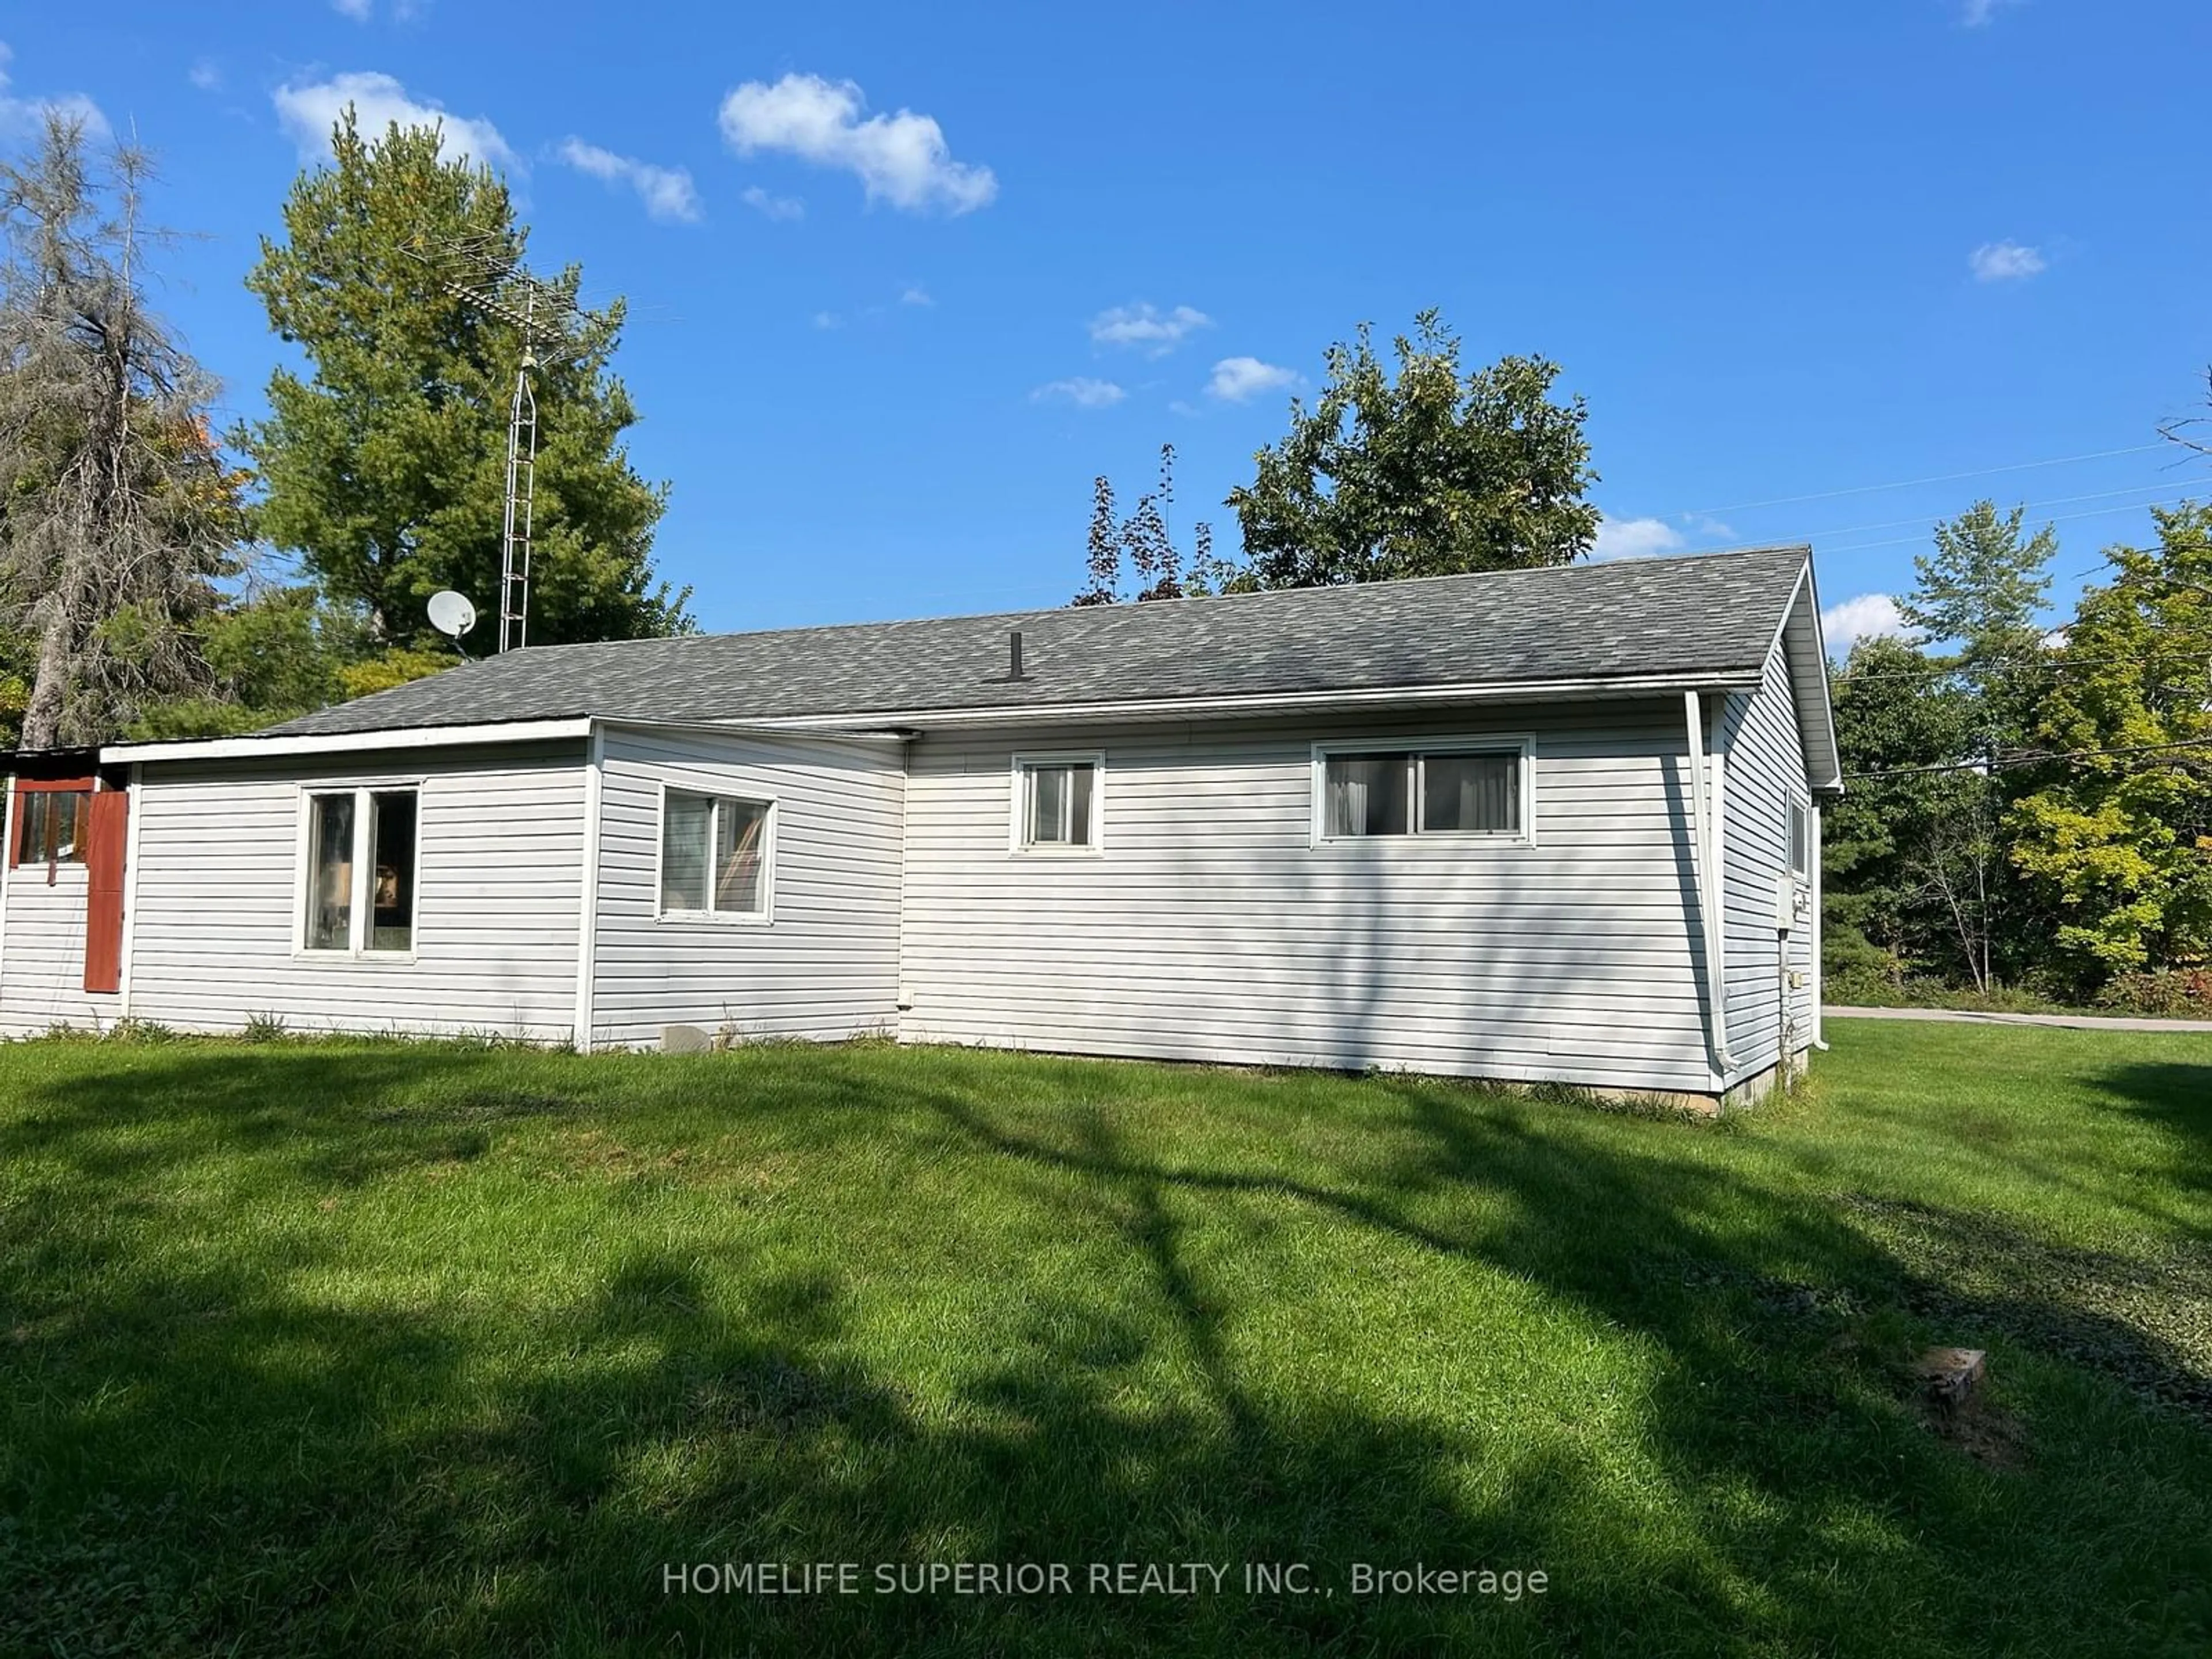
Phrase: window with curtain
x=1059 y=804
x=361 y=871
x=1433 y=792
x=714 y=855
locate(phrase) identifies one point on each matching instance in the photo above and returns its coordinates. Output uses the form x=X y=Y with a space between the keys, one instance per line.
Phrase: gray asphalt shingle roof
x=1715 y=612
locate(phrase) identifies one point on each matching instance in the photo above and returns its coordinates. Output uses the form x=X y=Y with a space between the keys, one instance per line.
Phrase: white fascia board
x=343 y=743
x=1180 y=708
x=870 y=731
x=1807 y=593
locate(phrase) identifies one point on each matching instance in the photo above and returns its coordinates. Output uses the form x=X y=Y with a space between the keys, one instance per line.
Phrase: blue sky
x=905 y=280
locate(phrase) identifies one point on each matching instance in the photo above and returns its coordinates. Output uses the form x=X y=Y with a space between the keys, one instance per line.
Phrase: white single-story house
x=1545 y=825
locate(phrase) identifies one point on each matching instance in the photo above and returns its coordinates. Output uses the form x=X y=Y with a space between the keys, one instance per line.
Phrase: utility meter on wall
x=1793 y=905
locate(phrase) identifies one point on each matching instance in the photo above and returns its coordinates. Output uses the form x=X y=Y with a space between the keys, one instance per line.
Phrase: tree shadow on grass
x=2178 y=1098
x=202 y=1457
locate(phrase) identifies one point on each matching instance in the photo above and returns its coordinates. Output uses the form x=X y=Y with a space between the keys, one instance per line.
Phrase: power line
x=2031 y=508
x=2010 y=762
x=2062 y=518
x=1913 y=484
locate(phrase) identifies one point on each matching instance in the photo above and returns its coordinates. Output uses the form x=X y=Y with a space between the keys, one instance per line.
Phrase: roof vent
x=1014 y=671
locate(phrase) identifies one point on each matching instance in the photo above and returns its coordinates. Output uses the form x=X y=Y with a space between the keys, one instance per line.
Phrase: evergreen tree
x=1982 y=591
x=385 y=469
x=117 y=512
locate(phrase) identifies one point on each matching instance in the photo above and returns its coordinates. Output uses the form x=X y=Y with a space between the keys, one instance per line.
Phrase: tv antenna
x=487 y=272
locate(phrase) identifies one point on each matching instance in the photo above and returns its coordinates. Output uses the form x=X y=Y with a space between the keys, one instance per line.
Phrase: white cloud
x=1635 y=538
x=2004 y=261
x=667 y=192
x=902 y=159
x=916 y=295
x=1237 y=379
x=1155 y=332
x=828 y=320
x=1975 y=14
x=21 y=116
x=359 y=10
x=1082 y=390
x=206 y=74
x=307 y=114
x=1865 y=618
x=775 y=207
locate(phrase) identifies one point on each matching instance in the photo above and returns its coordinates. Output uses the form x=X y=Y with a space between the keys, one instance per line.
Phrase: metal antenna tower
x=485 y=272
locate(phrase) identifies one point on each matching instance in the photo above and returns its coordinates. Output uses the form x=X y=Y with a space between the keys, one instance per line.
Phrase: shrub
x=2167 y=992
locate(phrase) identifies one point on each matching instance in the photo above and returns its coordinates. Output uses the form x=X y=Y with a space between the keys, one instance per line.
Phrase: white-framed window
x=1463 y=789
x=359 y=872
x=1059 y=804
x=1800 y=840
x=717 y=857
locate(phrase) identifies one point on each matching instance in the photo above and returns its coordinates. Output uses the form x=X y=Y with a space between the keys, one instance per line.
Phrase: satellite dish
x=450 y=613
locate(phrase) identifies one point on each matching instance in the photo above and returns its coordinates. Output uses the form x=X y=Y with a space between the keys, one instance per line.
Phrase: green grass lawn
x=373 y=1348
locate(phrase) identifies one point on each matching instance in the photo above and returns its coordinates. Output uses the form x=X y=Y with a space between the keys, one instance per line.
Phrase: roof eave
x=895 y=723
x=1185 y=708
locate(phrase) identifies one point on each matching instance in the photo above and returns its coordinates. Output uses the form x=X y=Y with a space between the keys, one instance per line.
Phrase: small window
x=714 y=856
x=361 y=871
x=1057 y=804
x=1439 y=791
x=51 y=825
x=1800 y=841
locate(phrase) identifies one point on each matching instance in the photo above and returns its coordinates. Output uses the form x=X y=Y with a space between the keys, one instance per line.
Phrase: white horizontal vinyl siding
x=42 y=954
x=825 y=964
x=1765 y=762
x=1210 y=927
x=498 y=906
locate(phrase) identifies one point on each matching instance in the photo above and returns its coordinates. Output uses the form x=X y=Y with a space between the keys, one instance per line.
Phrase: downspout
x=135 y=793
x=1706 y=867
x=587 y=913
x=1813 y=869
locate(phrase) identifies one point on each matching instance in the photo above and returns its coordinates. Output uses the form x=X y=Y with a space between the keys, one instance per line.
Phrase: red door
x=104 y=842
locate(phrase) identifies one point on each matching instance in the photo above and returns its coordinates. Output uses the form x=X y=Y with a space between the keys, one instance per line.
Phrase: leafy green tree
x=1432 y=473
x=2119 y=839
x=384 y=467
x=118 y=513
x=275 y=652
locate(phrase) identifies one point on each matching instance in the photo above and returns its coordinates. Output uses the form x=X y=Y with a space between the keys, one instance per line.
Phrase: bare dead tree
x=2190 y=431
x=116 y=511
x=1953 y=866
